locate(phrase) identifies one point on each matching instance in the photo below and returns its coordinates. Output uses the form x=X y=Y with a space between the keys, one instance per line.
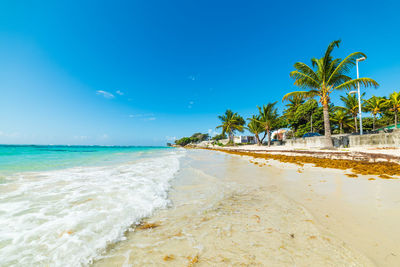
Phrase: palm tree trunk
x=395 y=119
x=341 y=127
x=258 y=140
x=327 y=127
x=269 y=138
x=355 y=123
x=262 y=139
x=373 y=122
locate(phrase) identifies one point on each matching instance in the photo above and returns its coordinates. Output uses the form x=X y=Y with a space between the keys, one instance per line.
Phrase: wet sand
x=227 y=212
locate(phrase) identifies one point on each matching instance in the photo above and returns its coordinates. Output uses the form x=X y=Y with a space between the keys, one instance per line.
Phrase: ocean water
x=65 y=205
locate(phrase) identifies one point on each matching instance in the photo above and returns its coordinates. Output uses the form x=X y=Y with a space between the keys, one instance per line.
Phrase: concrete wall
x=339 y=140
x=376 y=140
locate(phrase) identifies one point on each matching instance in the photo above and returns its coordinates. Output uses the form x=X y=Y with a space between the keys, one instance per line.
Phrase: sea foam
x=68 y=217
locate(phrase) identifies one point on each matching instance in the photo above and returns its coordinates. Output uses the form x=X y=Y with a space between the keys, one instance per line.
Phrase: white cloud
x=170 y=138
x=104 y=136
x=105 y=94
x=212 y=132
x=80 y=137
x=190 y=104
x=119 y=92
x=150 y=119
x=144 y=116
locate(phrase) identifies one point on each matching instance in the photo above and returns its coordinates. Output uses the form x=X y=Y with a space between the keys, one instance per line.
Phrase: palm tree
x=342 y=118
x=268 y=118
x=351 y=106
x=394 y=105
x=295 y=102
x=329 y=75
x=231 y=122
x=375 y=105
x=255 y=127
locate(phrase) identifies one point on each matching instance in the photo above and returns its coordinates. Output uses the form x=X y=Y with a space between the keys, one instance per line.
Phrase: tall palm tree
x=231 y=122
x=350 y=102
x=329 y=75
x=256 y=128
x=342 y=118
x=394 y=105
x=375 y=105
x=268 y=118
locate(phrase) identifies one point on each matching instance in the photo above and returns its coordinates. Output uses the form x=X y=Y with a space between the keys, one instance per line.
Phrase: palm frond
x=345 y=66
x=303 y=80
x=352 y=84
x=303 y=94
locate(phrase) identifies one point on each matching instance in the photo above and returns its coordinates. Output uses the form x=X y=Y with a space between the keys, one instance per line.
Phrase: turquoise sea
x=64 y=205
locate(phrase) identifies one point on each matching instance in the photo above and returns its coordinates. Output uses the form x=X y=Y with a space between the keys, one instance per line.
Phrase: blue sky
x=144 y=72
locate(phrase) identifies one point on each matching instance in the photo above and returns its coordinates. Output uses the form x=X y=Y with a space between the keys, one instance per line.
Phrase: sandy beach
x=230 y=210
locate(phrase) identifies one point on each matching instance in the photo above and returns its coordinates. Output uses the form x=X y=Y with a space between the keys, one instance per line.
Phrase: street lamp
x=359 y=95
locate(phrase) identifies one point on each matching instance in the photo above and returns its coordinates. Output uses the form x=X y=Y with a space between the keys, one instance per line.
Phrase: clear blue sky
x=143 y=72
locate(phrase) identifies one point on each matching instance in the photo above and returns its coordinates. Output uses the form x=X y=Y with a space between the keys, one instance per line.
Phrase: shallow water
x=226 y=213
x=67 y=216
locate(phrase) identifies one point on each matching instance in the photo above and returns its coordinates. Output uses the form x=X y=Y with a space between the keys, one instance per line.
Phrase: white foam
x=68 y=217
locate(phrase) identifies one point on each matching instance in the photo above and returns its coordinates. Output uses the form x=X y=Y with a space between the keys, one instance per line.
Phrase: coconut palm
x=394 y=105
x=256 y=128
x=268 y=118
x=342 y=118
x=294 y=102
x=329 y=75
x=350 y=102
x=231 y=122
x=375 y=105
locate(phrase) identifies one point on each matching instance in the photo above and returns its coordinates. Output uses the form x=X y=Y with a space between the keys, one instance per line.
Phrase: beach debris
x=371 y=179
x=385 y=176
x=257 y=218
x=351 y=175
x=357 y=167
x=292 y=235
x=312 y=237
x=169 y=257
x=68 y=232
x=147 y=225
x=193 y=260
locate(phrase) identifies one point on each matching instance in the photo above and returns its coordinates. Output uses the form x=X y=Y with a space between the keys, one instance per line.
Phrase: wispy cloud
x=144 y=116
x=193 y=77
x=170 y=138
x=118 y=92
x=105 y=94
x=191 y=103
x=80 y=137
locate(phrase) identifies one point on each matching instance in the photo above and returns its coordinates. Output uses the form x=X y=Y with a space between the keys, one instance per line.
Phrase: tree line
x=310 y=109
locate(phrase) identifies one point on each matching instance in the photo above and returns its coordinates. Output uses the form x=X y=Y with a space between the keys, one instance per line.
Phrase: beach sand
x=229 y=210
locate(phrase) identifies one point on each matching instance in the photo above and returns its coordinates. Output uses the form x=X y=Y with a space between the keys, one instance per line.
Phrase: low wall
x=339 y=140
x=376 y=140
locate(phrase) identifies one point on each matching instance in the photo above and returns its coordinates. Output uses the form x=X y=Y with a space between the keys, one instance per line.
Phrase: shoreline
x=232 y=212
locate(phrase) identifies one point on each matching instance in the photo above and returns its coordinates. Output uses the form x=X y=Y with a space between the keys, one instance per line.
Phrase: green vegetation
x=328 y=75
x=195 y=138
x=231 y=122
x=304 y=114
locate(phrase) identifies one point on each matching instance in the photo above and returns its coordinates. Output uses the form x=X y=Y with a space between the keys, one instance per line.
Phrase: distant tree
x=351 y=107
x=219 y=137
x=183 y=141
x=375 y=105
x=255 y=127
x=231 y=122
x=394 y=105
x=342 y=118
x=329 y=75
x=268 y=118
x=294 y=102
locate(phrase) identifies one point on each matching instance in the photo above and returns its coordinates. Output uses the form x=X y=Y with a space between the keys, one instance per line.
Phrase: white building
x=243 y=139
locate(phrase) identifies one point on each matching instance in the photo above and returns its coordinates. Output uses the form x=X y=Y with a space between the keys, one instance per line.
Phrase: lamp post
x=359 y=95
